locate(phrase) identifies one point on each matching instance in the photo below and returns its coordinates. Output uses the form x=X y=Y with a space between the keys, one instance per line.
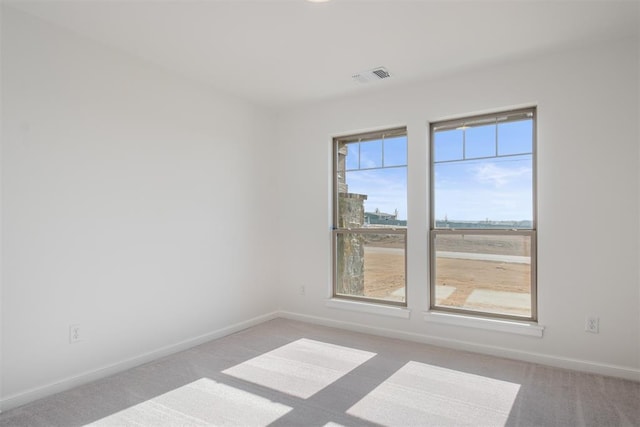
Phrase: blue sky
x=379 y=174
x=498 y=189
x=386 y=189
x=488 y=181
x=471 y=183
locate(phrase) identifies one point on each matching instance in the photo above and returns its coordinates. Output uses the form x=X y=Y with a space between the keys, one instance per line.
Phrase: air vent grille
x=371 y=75
x=382 y=73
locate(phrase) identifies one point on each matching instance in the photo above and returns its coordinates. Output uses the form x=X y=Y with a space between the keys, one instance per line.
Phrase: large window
x=370 y=216
x=483 y=226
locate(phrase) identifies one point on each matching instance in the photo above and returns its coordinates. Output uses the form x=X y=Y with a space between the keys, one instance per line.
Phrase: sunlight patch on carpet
x=301 y=368
x=200 y=403
x=418 y=393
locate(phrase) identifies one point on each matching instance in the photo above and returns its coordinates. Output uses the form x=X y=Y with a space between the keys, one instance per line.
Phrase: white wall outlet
x=592 y=324
x=75 y=334
x=302 y=290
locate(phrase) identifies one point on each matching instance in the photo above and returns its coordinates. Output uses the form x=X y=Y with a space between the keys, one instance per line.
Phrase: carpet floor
x=289 y=373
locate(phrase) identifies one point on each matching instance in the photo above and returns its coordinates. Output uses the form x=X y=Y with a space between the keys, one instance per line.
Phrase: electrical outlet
x=592 y=324
x=302 y=290
x=75 y=334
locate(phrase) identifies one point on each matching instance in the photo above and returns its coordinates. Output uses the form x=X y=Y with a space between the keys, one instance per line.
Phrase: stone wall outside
x=350 y=247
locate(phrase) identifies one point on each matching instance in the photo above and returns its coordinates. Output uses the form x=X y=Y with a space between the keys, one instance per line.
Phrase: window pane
x=386 y=194
x=480 y=141
x=488 y=193
x=447 y=145
x=488 y=187
x=515 y=137
x=370 y=216
x=484 y=273
x=371 y=154
x=395 y=151
x=371 y=266
x=353 y=157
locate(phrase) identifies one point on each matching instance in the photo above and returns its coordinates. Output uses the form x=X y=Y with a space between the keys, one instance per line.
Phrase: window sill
x=510 y=326
x=366 y=307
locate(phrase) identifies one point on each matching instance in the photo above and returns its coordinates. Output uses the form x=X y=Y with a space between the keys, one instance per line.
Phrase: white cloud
x=499 y=175
x=386 y=189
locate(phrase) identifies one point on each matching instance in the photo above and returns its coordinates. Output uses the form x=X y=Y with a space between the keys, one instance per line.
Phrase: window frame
x=336 y=230
x=531 y=232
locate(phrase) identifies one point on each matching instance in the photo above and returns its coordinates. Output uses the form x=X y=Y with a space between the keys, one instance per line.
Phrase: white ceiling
x=280 y=53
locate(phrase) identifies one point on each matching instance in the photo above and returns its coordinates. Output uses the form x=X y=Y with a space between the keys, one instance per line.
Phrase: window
x=483 y=225
x=370 y=216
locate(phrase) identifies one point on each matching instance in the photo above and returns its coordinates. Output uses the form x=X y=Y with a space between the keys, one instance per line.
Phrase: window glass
x=395 y=151
x=483 y=216
x=447 y=145
x=515 y=137
x=484 y=273
x=487 y=193
x=480 y=141
x=370 y=214
x=380 y=275
x=371 y=154
x=385 y=191
x=353 y=156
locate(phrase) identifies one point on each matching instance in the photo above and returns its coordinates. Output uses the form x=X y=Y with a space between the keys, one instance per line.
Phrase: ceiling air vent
x=371 y=75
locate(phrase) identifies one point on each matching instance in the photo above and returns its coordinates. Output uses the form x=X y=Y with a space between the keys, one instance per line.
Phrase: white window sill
x=510 y=326
x=366 y=307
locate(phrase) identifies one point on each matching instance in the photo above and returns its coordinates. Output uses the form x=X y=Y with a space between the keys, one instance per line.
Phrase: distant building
x=382 y=218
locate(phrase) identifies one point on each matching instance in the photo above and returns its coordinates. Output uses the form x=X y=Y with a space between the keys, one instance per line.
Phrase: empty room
x=320 y=213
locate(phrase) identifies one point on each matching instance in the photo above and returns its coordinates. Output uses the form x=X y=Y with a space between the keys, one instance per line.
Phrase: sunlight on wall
x=202 y=402
x=301 y=368
x=419 y=392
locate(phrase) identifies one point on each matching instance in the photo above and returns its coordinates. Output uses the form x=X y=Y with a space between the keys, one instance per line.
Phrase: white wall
x=588 y=234
x=135 y=204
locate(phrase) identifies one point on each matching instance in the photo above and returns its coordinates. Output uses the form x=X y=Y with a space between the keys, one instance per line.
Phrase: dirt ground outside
x=475 y=284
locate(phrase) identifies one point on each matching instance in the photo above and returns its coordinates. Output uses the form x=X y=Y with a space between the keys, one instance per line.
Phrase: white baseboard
x=542 y=359
x=27 y=396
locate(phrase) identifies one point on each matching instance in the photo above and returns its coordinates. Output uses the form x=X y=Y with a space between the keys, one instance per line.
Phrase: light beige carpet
x=291 y=373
